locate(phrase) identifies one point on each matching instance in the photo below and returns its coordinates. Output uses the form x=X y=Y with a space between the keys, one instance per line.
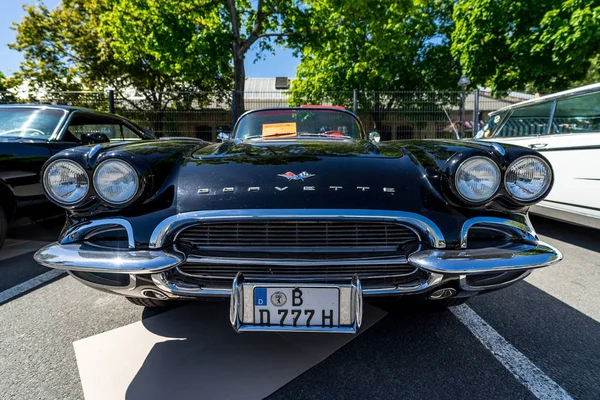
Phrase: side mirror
x=222 y=137
x=374 y=137
x=94 y=138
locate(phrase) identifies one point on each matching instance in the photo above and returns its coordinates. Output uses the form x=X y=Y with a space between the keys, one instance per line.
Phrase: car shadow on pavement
x=408 y=354
x=576 y=235
x=45 y=231
x=560 y=340
x=415 y=355
x=206 y=358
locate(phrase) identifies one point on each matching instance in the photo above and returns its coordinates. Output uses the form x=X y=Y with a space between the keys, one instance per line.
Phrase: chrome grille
x=339 y=239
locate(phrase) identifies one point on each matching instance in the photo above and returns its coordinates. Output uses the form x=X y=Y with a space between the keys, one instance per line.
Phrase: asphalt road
x=537 y=339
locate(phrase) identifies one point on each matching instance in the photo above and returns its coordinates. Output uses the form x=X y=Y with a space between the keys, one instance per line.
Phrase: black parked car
x=296 y=218
x=30 y=135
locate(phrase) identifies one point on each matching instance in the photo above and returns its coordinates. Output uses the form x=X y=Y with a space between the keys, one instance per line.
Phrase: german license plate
x=301 y=307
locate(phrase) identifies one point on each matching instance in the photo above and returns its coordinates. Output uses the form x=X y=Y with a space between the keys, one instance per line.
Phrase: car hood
x=184 y=176
x=305 y=174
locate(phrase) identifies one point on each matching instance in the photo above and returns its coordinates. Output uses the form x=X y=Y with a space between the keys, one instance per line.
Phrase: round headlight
x=116 y=181
x=477 y=179
x=66 y=182
x=528 y=178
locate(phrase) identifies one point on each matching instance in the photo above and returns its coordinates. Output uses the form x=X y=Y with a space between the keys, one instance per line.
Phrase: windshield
x=491 y=124
x=32 y=123
x=298 y=123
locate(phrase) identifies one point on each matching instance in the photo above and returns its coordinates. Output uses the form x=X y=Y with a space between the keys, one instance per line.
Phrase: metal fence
x=395 y=115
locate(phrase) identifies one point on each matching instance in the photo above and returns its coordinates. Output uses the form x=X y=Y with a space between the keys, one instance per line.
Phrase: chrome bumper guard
x=241 y=311
x=78 y=257
x=492 y=259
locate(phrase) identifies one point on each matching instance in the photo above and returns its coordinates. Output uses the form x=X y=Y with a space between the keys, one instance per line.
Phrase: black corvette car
x=296 y=218
x=30 y=135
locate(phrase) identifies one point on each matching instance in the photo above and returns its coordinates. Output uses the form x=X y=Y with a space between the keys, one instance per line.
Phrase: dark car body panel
x=174 y=171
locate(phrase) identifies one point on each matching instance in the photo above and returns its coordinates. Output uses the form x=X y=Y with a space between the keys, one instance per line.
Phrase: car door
x=573 y=148
x=571 y=144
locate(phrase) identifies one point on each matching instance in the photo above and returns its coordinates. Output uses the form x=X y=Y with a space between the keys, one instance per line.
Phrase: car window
x=489 y=126
x=31 y=123
x=113 y=129
x=129 y=134
x=308 y=123
x=577 y=115
x=526 y=121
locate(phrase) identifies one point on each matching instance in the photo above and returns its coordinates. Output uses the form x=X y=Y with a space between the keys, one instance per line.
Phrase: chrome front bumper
x=73 y=254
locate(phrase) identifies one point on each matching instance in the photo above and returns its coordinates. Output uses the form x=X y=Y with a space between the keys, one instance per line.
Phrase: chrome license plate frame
x=243 y=316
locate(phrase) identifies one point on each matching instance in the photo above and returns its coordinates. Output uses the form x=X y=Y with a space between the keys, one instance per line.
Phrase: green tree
x=5 y=95
x=68 y=48
x=536 y=44
x=221 y=31
x=400 y=47
x=378 y=45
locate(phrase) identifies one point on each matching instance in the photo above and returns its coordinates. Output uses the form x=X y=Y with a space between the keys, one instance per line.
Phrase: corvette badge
x=293 y=177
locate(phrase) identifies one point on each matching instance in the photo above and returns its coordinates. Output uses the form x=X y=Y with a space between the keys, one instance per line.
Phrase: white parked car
x=565 y=127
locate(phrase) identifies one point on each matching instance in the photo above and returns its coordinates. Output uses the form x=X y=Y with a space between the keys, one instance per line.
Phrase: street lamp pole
x=463 y=82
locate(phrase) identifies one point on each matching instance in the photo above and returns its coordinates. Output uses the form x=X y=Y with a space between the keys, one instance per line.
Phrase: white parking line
x=30 y=284
x=512 y=359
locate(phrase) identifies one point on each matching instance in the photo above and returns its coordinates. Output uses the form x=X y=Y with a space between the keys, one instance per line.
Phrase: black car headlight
x=477 y=179
x=116 y=182
x=66 y=182
x=528 y=178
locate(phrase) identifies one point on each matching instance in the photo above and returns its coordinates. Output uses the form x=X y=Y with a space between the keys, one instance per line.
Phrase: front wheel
x=139 y=301
x=3 y=226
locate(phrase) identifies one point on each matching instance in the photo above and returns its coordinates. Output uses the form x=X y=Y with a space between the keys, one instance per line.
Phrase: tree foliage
x=183 y=37
x=537 y=44
x=72 y=47
x=378 y=45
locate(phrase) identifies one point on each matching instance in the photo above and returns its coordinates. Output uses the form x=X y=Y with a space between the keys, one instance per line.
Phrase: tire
x=139 y=301
x=3 y=226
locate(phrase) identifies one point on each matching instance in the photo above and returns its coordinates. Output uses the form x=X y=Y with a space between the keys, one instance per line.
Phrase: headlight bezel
x=543 y=193
x=52 y=196
x=138 y=180
x=499 y=175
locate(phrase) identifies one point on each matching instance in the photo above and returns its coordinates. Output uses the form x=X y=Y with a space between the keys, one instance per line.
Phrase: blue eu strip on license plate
x=260 y=296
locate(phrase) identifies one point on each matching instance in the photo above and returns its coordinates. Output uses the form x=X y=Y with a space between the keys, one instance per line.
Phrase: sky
x=283 y=63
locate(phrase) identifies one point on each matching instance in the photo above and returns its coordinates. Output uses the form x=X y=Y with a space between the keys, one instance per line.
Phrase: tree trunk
x=239 y=76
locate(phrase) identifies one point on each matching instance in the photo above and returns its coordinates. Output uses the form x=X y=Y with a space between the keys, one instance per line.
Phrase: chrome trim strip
x=304 y=277
x=299 y=263
x=85 y=229
x=433 y=280
x=490 y=259
x=170 y=226
x=523 y=230
x=161 y=281
x=462 y=281
x=190 y=290
x=499 y=148
x=79 y=257
x=93 y=151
